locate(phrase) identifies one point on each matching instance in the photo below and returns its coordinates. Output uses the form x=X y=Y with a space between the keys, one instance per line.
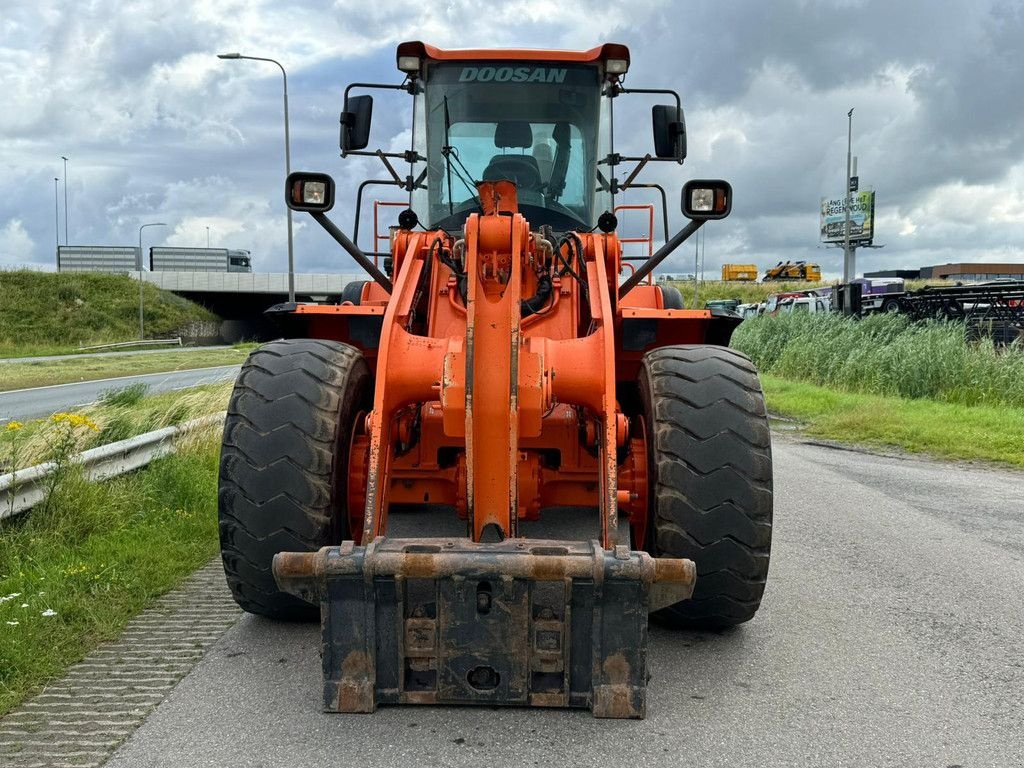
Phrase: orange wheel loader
x=493 y=461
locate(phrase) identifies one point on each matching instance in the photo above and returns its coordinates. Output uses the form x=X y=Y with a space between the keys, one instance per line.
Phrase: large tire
x=709 y=459
x=284 y=463
x=671 y=298
x=353 y=292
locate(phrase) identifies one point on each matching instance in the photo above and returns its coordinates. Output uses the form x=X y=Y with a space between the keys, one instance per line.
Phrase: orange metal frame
x=496 y=415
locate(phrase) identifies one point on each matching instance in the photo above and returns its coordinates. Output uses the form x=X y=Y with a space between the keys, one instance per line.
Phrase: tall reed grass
x=885 y=355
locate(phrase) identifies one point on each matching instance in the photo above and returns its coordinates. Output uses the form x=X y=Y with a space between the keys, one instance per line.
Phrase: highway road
x=40 y=402
x=892 y=634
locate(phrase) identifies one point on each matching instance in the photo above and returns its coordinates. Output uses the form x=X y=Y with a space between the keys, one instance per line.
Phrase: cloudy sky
x=158 y=129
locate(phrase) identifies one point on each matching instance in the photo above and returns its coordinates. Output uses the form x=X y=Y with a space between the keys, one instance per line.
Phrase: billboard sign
x=862 y=218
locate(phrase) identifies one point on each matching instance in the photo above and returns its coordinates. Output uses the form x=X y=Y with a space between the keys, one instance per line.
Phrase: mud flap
x=521 y=622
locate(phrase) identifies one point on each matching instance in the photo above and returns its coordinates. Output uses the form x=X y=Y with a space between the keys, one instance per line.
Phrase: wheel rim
x=633 y=477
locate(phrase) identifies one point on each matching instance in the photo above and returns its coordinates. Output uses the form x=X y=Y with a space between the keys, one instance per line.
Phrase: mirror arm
x=378 y=86
x=664 y=91
x=659 y=256
x=361 y=258
x=640 y=166
x=384 y=159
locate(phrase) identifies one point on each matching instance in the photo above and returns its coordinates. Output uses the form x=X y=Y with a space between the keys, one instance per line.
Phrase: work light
x=305 y=191
x=707 y=199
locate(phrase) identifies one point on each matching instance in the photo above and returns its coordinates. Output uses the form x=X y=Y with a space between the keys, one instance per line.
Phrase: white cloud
x=16 y=245
x=159 y=129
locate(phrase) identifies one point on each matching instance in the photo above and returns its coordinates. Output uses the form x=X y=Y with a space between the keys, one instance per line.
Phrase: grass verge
x=944 y=430
x=26 y=375
x=122 y=413
x=74 y=572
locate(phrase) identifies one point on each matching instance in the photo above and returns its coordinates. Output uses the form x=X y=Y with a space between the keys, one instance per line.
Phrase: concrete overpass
x=240 y=298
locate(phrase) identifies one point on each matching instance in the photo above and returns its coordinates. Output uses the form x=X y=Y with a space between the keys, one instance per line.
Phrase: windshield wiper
x=448 y=151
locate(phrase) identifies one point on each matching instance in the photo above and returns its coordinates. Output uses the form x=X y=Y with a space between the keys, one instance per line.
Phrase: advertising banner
x=862 y=218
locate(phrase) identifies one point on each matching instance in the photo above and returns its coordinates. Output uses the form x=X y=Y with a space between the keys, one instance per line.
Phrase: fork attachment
x=520 y=622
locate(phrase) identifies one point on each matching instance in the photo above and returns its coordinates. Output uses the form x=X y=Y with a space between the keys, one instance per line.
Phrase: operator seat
x=521 y=169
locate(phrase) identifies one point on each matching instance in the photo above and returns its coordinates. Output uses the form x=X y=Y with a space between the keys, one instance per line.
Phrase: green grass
x=25 y=375
x=746 y=293
x=885 y=355
x=755 y=293
x=944 y=430
x=121 y=414
x=52 y=313
x=101 y=553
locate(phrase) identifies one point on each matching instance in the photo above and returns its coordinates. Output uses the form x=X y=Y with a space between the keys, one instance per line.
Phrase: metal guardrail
x=23 y=489
x=138 y=343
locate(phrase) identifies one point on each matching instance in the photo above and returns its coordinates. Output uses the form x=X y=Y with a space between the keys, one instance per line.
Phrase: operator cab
x=533 y=123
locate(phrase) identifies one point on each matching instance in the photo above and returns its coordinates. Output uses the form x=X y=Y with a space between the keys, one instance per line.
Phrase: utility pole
x=66 y=241
x=56 y=219
x=849 y=272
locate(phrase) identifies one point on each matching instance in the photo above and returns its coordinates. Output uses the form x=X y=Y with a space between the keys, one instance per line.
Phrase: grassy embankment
x=23 y=375
x=886 y=381
x=44 y=313
x=76 y=569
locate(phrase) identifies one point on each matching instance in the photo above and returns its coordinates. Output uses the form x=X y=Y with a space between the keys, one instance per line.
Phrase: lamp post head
x=229 y=55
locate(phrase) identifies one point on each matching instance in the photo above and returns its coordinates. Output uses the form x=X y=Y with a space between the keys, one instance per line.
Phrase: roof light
x=616 y=66
x=409 y=64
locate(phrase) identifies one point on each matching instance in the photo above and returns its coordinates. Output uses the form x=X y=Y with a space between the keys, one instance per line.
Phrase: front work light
x=707 y=199
x=616 y=66
x=313 y=192
x=409 y=64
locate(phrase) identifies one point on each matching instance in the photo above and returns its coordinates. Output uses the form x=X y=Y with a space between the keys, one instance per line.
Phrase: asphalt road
x=39 y=402
x=892 y=634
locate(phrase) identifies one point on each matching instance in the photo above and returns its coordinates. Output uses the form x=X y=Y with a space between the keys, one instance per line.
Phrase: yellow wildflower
x=13 y=426
x=75 y=420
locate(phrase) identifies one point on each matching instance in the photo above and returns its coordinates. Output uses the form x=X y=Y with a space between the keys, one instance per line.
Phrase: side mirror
x=669 y=132
x=311 y=192
x=355 y=123
x=707 y=199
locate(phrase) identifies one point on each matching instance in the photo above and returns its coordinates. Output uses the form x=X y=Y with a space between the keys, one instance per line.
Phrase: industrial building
x=965 y=272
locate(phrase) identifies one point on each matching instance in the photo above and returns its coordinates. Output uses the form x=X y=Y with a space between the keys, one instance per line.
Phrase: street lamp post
x=287 y=161
x=66 y=241
x=142 y=327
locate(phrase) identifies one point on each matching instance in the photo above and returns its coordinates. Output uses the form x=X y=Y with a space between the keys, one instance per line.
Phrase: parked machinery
x=394 y=463
x=793 y=270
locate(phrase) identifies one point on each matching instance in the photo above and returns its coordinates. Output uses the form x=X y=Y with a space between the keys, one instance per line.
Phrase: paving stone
x=80 y=719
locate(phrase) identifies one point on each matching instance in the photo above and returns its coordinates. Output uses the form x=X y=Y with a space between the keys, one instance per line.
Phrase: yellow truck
x=744 y=273
x=793 y=270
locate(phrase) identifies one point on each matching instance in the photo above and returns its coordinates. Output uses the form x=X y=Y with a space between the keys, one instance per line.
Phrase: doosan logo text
x=512 y=75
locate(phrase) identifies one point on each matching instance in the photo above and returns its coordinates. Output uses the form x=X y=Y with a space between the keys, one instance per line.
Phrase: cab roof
x=594 y=55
